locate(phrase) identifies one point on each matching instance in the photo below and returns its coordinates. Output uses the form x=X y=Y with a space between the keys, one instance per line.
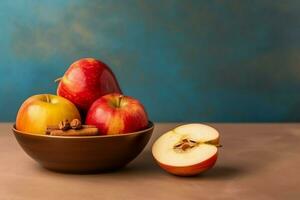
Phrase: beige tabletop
x=257 y=161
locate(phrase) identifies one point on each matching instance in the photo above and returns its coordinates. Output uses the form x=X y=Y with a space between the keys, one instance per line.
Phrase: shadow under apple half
x=187 y=150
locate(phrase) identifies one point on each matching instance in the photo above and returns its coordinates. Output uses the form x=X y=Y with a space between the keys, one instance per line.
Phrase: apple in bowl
x=187 y=150
x=117 y=114
x=85 y=81
x=40 y=111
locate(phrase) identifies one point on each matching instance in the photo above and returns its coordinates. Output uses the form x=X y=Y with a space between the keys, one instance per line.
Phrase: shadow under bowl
x=84 y=154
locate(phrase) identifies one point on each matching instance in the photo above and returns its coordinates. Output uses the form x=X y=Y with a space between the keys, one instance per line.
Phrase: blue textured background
x=185 y=60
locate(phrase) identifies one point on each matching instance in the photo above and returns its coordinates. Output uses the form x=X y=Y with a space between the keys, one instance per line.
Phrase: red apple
x=85 y=81
x=187 y=150
x=117 y=114
x=40 y=111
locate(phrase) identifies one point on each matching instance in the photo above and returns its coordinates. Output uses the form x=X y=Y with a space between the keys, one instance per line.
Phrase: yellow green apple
x=42 y=110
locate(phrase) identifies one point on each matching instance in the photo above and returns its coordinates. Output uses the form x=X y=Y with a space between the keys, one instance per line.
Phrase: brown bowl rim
x=150 y=127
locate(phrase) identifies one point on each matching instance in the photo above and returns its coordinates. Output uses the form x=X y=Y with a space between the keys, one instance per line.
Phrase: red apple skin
x=110 y=119
x=85 y=81
x=192 y=170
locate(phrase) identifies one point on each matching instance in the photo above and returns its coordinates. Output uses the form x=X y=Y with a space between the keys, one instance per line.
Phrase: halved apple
x=187 y=150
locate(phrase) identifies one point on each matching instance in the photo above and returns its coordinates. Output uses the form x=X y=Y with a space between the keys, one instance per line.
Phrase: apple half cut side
x=187 y=150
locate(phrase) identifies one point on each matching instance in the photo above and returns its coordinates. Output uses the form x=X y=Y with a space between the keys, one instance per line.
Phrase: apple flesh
x=40 y=111
x=187 y=150
x=85 y=81
x=117 y=114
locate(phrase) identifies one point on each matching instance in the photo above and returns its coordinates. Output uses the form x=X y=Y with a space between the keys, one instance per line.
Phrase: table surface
x=257 y=161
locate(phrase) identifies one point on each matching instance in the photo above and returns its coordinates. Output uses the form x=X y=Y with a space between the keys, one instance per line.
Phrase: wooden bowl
x=84 y=154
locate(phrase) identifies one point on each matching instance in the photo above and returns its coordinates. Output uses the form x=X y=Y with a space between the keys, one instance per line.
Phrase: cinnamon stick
x=90 y=131
x=55 y=128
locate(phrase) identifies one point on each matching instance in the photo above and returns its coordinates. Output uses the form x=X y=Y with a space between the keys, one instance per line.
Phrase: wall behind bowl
x=226 y=61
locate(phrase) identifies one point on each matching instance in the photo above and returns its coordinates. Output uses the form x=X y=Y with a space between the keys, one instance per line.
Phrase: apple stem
x=120 y=100
x=58 y=80
x=48 y=98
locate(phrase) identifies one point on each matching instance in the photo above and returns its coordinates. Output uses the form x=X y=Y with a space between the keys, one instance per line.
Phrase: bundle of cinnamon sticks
x=73 y=128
